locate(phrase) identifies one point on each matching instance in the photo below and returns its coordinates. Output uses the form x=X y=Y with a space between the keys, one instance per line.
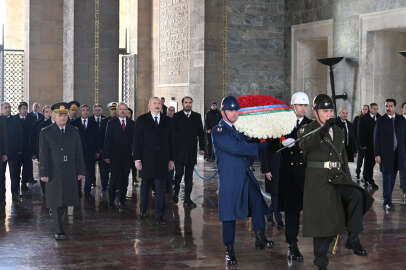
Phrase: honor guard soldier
x=61 y=166
x=332 y=202
x=292 y=174
x=239 y=192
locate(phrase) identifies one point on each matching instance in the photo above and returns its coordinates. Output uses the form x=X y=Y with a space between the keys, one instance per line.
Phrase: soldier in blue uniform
x=239 y=191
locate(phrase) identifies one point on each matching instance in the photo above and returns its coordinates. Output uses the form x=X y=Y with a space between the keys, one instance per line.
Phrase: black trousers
x=353 y=201
x=15 y=172
x=104 y=169
x=210 y=152
x=3 y=181
x=160 y=188
x=187 y=170
x=120 y=171
x=292 y=221
x=369 y=165
x=90 y=177
x=58 y=213
x=27 y=174
x=360 y=160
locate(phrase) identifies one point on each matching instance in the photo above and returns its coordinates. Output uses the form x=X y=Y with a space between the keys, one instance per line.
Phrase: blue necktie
x=156 y=121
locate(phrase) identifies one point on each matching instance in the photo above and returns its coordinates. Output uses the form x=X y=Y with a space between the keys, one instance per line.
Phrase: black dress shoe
x=230 y=255
x=261 y=242
x=161 y=221
x=354 y=243
x=121 y=205
x=60 y=236
x=280 y=225
x=24 y=188
x=294 y=253
x=143 y=215
x=374 y=186
x=270 y=220
x=189 y=204
x=175 y=198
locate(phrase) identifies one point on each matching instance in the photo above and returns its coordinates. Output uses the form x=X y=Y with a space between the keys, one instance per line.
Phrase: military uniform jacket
x=234 y=156
x=292 y=175
x=61 y=161
x=323 y=211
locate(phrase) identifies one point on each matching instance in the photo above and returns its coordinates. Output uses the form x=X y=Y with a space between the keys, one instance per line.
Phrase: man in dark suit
x=118 y=146
x=366 y=141
x=386 y=142
x=26 y=161
x=47 y=121
x=188 y=129
x=35 y=114
x=402 y=151
x=73 y=110
x=361 y=153
x=97 y=116
x=164 y=108
x=3 y=154
x=14 y=150
x=212 y=118
x=350 y=144
x=103 y=166
x=89 y=135
x=153 y=155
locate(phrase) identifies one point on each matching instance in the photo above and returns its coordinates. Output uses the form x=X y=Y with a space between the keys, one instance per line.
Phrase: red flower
x=258 y=100
x=283 y=138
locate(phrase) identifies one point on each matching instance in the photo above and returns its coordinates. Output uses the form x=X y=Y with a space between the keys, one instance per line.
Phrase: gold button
x=291 y=164
x=291 y=153
x=301 y=163
x=301 y=152
x=329 y=180
x=331 y=154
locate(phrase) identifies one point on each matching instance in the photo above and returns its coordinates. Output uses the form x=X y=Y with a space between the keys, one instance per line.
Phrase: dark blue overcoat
x=234 y=156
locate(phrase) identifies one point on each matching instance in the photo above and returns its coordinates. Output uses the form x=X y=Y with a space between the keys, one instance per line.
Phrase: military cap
x=73 y=105
x=230 y=103
x=112 y=106
x=323 y=101
x=61 y=107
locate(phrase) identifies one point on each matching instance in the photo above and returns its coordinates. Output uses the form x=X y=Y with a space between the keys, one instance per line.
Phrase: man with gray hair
x=153 y=155
x=35 y=114
x=118 y=145
x=346 y=126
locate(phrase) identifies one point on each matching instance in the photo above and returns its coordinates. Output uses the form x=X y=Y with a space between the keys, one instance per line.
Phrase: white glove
x=289 y=142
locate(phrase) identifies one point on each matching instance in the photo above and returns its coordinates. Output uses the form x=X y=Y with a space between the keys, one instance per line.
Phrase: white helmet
x=299 y=98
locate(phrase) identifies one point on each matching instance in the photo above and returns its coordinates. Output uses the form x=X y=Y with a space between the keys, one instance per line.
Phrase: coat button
x=329 y=180
x=291 y=164
x=301 y=152
x=331 y=154
x=291 y=153
x=301 y=163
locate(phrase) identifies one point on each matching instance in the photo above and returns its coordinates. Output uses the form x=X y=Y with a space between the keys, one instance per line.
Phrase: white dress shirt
x=156 y=115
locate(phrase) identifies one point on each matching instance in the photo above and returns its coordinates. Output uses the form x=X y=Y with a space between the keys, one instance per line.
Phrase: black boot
x=230 y=255
x=261 y=241
x=354 y=243
x=294 y=253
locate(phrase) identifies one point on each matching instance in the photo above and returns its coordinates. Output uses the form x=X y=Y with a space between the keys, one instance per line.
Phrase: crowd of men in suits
x=378 y=139
x=159 y=141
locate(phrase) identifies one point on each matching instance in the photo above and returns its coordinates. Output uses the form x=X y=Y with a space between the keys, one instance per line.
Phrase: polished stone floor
x=102 y=238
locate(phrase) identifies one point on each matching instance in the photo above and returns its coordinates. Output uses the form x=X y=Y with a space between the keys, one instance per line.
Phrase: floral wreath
x=264 y=117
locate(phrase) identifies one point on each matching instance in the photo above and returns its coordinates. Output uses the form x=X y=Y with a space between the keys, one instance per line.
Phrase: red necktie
x=123 y=125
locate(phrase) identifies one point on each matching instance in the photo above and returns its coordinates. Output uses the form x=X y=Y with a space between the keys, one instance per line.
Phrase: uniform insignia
x=301 y=131
x=219 y=129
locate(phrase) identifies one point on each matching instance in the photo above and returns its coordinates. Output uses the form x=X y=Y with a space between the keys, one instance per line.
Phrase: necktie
x=63 y=131
x=297 y=123
x=123 y=125
x=156 y=121
x=84 y=123
x=395 y=141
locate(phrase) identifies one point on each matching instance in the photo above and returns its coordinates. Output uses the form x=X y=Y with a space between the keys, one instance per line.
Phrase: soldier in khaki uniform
x=332 y=202
x=62 y=165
